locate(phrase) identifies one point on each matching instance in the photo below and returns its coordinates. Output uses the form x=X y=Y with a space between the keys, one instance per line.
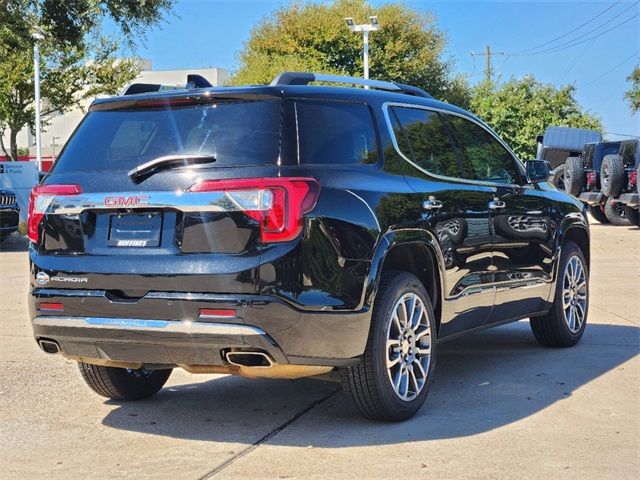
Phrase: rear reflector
x=633 y=179
x=216 y=312
x=58 y=307
x=277 y=204
x=40 y=198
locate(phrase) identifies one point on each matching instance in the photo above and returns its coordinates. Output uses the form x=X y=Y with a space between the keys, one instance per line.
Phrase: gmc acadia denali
x=289 y=230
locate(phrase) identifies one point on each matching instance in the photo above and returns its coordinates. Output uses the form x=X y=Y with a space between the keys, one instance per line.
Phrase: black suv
x=290 y=230
x=9 y=214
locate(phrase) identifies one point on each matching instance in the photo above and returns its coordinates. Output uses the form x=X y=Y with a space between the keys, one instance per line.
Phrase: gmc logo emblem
x=122 y=201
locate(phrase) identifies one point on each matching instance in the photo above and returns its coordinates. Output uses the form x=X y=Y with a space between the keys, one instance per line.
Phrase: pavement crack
x=615 y=314
x=267 y=437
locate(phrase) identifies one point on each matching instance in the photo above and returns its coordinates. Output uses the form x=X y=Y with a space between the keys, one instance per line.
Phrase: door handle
x=497 y=204
x=432 y=204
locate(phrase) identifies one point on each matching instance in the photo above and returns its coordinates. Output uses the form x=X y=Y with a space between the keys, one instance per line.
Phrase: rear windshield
x=235 y=132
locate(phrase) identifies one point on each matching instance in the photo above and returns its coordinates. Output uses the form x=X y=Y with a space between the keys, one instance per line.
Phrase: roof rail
x=193 y=81
x=305 y=78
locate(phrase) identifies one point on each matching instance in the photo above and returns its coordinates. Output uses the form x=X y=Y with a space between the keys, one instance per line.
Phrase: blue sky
x=209 y=33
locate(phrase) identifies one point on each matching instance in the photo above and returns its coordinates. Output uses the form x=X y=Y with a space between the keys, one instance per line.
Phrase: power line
x=574 y=62
x=559 y=48
x=572 y=43
x=635 y=54
x=570 y=31
x=488 y=54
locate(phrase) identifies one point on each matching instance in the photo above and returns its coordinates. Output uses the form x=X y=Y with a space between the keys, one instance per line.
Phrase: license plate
x=135 y=230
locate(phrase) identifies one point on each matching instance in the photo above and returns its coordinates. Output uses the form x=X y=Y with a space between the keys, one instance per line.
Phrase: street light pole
x=37 y=36
x=365 y=28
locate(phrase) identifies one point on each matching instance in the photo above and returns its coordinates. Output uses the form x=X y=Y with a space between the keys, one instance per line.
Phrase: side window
x=425 y=140
x=484 y=157
x=335 y=132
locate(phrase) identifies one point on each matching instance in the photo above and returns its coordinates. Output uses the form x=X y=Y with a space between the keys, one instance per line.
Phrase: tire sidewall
x=570 y=250
x=401 y=284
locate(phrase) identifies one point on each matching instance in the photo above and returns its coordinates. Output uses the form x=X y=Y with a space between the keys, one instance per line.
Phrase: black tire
x=122 y=383
x=615 y=213
x=370 y=383
x=558 y=178
x=612 y=175
x=552 y=330
x=597 y=212
x=573 y=176
x=633 y=215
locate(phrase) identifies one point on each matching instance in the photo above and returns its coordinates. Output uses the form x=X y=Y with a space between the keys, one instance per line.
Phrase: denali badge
x=129 y=201
x=42 y=278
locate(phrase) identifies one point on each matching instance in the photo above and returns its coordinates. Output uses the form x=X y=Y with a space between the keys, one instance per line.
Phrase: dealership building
x=59 y=126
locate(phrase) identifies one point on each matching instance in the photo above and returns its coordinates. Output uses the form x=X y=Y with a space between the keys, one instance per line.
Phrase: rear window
x=235 y=132
x=335 y=132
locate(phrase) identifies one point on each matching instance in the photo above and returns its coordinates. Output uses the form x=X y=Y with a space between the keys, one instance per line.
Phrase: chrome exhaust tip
x=49 y=346
x=249 y=359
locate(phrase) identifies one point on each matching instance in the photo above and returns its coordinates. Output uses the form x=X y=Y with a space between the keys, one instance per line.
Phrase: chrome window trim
x=385 y=110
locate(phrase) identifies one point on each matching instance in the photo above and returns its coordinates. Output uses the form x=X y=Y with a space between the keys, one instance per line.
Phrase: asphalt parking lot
x=501 y=406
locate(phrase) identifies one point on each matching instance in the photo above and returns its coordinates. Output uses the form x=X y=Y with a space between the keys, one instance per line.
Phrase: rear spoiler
x=193 y=81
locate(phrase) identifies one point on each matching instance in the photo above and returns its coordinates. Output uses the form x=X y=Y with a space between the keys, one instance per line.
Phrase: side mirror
x=538 y=170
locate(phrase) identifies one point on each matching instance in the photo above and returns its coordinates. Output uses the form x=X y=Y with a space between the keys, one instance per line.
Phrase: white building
x=59 y=127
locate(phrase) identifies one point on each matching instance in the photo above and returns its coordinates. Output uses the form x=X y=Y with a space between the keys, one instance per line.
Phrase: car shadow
x=483 y=381
x=15 y=243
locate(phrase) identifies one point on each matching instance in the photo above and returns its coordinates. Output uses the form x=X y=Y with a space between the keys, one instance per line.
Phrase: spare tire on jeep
x=573 y=176
x=612 y=175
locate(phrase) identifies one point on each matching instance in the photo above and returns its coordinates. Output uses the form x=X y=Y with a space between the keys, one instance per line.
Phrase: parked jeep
x=9 y=214
x=582 y=176
x=290 y=230
x=561 y=143
x=622 y=182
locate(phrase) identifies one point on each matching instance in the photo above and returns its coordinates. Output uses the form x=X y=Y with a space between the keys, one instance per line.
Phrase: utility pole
x=487 y=65
x=365 y=28
x=37 y=37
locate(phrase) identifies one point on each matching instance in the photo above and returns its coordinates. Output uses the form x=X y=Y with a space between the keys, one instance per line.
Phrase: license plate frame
x=135 y=230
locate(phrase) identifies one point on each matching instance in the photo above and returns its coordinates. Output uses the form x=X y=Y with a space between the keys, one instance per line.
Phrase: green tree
x=521 y=109
x=633 y=95
x=77 y=61
x=304 y=36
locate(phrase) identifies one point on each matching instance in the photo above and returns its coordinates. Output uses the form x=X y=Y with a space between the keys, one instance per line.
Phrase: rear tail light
x=633 y=179
x=39 y=200
x=591 y=178
x=277 y=204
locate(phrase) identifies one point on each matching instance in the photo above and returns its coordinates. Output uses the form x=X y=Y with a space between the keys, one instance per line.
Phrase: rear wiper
x=168 y=162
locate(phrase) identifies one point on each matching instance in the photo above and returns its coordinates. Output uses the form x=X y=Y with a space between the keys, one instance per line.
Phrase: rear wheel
x=597 y=212
x=573 y=176
x=564 y=325
x=633 y=215
x=558 y=178
x=612 y=175
x=123 y=383
x=615 y=213
x=393 y=378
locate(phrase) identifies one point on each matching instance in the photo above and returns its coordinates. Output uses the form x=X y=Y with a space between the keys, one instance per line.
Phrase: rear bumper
x=592 y=198
x=164 y=328
x=630 y=199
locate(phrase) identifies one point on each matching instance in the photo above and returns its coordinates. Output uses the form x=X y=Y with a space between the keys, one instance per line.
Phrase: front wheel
x=597 y=212
x=564 y=325
x=616 y=213
x=633 y=215
x=392 y=380
x=123 y=383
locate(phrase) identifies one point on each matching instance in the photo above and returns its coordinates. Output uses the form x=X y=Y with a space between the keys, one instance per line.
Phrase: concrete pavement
x=500 y=407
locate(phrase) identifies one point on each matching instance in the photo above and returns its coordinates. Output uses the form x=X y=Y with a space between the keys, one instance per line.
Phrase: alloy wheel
x=408 y=347
x=574 y=294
